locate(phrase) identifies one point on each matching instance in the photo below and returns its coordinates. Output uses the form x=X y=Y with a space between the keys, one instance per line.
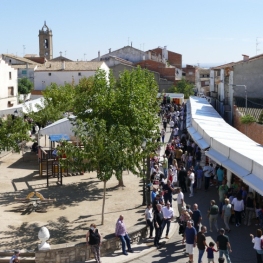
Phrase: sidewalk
x=147 y=246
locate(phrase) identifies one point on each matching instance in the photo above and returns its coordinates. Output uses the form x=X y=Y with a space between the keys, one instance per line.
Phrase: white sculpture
x=43 y=235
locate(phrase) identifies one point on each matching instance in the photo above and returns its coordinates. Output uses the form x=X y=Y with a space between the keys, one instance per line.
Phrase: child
x=210 y=252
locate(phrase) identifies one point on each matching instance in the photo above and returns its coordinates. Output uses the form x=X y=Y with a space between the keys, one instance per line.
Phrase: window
x=49 y=74
x=24 y=72
x=10 y=61
x=10 y=75
x=79 y=73
x=10 y=91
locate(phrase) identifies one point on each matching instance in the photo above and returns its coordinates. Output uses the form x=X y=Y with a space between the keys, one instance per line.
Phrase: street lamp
x=234 y=85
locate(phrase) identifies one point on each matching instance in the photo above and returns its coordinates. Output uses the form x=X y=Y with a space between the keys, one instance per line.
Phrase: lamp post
x=234 y=85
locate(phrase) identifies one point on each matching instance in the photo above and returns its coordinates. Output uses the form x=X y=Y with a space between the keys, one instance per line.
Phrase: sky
x=205 y=32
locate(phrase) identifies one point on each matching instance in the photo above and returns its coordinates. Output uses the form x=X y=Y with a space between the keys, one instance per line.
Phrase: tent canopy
x=24 y=108
x=227 y=146
x=63 y=126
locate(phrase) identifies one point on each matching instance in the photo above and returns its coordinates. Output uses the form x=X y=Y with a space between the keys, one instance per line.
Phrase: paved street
x=240 y=240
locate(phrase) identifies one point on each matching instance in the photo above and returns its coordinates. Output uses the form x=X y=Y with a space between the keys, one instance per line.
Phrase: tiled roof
x=231 y=64
x=204 y=71
x=23 y=66
x=60 y=58
x=70 y=66
x=24 y=60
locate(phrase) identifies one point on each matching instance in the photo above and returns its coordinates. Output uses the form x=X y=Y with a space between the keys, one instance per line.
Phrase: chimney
x=63 y=65
x=109 y=50
x=131 y=44
x=98 y=55
x=60 y=53
x=245 y=57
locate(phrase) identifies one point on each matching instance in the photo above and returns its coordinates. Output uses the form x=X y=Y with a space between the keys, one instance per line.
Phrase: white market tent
x=23 y=108
x=225 y=144
x=63 y=126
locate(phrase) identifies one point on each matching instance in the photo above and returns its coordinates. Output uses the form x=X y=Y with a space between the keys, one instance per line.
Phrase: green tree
x=112 y=120
x=57 y=100
x=185 y=87
x=12 y=132
x=24 y=86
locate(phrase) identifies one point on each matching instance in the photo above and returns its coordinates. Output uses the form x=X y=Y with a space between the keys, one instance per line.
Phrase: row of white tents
x=224 y=144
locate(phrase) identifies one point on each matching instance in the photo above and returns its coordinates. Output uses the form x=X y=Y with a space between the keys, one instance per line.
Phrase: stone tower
x=45 y=42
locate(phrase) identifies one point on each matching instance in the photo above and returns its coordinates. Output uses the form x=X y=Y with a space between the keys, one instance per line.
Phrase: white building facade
x=64 y=72
x=8 y=85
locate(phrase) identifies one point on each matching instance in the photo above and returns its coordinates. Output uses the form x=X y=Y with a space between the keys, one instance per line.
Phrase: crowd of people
x=179 y=171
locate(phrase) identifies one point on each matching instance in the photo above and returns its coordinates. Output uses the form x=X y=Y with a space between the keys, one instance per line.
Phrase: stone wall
x=80 y=252
x=254 y=130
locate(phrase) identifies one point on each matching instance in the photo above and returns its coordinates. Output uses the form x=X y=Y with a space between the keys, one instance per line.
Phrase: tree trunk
x=121 y=183
x=103 y=203
x=148 y=181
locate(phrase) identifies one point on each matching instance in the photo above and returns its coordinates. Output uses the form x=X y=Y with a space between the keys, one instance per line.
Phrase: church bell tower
x=45 y=42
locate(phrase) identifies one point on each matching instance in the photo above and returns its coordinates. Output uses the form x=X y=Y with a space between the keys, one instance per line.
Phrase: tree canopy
x=24 y=86
x=112 y=120
x=184 y=87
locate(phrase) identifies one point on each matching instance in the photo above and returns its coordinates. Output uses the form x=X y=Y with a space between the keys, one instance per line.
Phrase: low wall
x=80 y=252
x=253 y=130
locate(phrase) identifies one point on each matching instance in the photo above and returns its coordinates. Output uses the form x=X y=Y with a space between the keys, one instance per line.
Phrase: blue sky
x=204 y=31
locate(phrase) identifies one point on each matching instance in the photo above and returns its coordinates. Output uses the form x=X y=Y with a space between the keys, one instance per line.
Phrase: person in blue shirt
x=153 y=194
x=197 y=217
x=220 y=175
x=210 y=252
x=191 y=239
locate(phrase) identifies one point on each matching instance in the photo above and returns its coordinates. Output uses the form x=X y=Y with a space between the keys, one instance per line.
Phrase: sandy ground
x=78 y=203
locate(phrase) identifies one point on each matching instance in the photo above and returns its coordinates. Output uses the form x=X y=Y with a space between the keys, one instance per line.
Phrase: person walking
x=15 y=256
x=238 y=206
x=208 y=170
x=201 y=243
x=197 y=217
x=190 y=238
x=223 y=245
x=171 y=125
x=180 y=200
x=168 y=190
x=149 y=218
x=222 y=191
x=93 y=239
x=168 y=215
x=257 y=245
x=213 y=215
x=226 y=213
x=162 y=134
x=199 y=177
x=182 y=175
x=210 y=252
x=121 y=232
x=164 y=122
x=165 y=166
x=191 y=178
x=250 y=208
x=158 y=222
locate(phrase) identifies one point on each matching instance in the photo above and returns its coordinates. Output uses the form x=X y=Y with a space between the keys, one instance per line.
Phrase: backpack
x=261 y=243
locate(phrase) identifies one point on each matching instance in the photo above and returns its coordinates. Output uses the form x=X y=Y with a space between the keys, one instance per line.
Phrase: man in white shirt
x=168 y=214
x=208 y=169
x=180 y=200
x=191 y=178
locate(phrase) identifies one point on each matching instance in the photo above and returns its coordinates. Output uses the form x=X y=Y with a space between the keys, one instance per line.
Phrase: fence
x=254 y=106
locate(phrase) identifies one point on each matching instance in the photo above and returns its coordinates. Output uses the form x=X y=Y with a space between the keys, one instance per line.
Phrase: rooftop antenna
x=257 y=43
x=84 y=56
x=65 y=53
x=128 y=41
x=24 y=48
